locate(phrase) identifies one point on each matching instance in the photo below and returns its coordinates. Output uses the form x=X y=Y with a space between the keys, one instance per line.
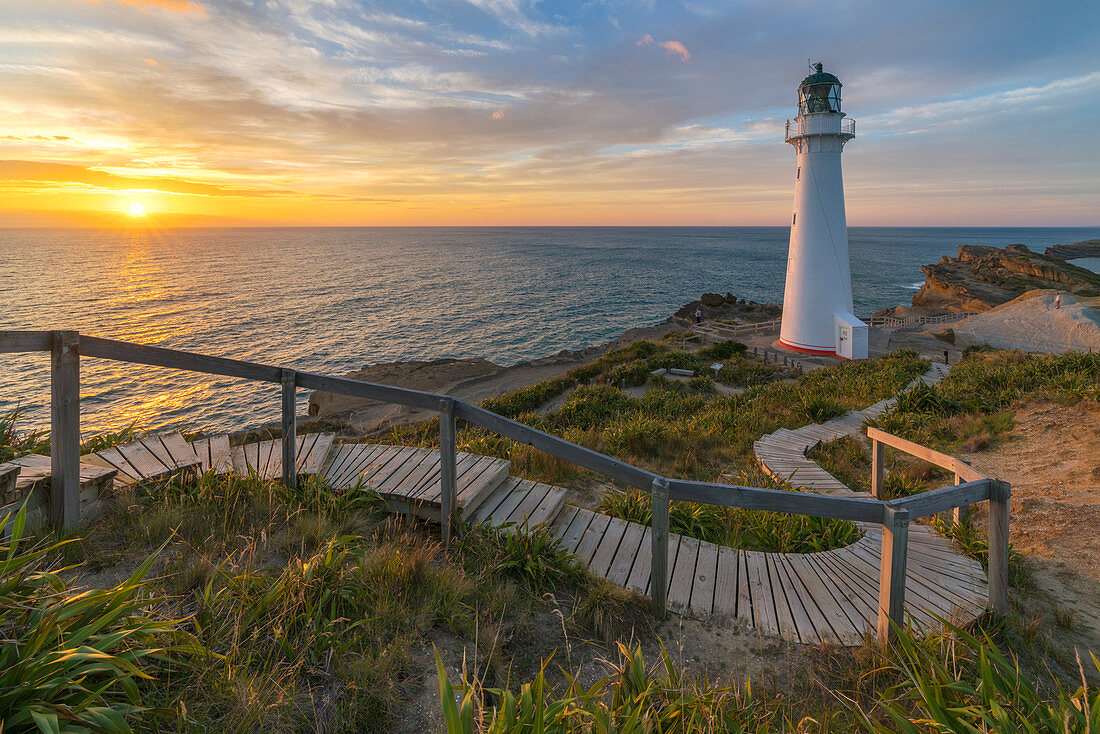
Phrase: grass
x=972 y=408
x=738 y=528
x=233 y=604
x=957 y=682
x=687 y=433
x=254 y=607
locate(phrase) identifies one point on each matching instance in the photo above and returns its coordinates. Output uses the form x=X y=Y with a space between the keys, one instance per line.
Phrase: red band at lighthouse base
x=808 y=350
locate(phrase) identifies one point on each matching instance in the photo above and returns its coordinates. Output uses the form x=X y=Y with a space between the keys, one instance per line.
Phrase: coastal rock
x=712 y=299
x=727 y=308
x=982 y=277
x=1085 y=248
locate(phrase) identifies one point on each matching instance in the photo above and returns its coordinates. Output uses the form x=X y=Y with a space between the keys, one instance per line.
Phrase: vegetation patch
x=245 y=606
x=757 y=530
x=972 y=408
x=957 y=682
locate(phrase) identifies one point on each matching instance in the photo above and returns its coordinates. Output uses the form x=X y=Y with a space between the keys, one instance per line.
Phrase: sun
x=136 y=210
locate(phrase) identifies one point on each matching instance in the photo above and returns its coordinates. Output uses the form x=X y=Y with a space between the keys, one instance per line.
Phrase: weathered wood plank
x=763 y=603
x=725 y=582
x=112 y=459
x=562 y=522
x=683 y=574
x=703 y=586
x=486 y=514
x=548 y=508
x=640 y=573
x=851 y=617
x=533 y=495
x=608 y=547
x=592 y=537
x=787 y=599
x=577 y=529
x=629 y=547
x=181 y=454
x=745 y=601
x=139 y=457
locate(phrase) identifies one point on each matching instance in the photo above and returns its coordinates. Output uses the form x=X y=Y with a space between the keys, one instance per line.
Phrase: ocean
x=332 y=300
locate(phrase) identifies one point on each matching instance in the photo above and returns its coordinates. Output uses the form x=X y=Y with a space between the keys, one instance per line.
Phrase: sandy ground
x=1053 y=464
x=701 y=648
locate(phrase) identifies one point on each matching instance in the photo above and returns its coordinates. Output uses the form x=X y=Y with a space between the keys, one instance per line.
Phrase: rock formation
x=983 y=277
x=728 y=308
x=1086 y=248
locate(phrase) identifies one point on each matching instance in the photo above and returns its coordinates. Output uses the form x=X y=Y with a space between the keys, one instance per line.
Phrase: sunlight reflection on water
x=332 y=300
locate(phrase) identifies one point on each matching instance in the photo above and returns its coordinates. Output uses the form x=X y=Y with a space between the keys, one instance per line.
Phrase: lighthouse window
x=794 y=220
x=798 y=173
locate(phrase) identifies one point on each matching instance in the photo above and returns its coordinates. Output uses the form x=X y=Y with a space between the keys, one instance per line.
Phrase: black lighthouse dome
x=819 y=92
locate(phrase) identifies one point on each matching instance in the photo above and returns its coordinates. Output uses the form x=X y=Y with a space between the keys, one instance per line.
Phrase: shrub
x=723 y=350
x=73 y=661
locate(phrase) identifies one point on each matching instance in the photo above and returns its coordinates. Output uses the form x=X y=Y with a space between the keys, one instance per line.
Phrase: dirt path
x=1053 y=464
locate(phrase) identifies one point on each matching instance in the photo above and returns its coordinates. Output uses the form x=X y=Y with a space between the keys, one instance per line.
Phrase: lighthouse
x=817 y=299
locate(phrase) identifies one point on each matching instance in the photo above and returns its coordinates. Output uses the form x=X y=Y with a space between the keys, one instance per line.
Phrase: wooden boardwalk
x=831 y=596
x=408 y=479
x=825 y=597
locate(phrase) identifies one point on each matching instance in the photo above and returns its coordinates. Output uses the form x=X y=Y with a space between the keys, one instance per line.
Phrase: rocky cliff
x=980 y=277
x=1086 y=248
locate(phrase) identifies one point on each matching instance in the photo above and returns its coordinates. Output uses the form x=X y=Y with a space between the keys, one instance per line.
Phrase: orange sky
x=519 y=113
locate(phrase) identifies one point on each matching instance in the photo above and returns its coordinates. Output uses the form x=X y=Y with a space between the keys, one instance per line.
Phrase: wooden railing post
x=878 y=467
x=447 y=478
x=290 y=429
x=658 y=569
x=999 y=494
x=959 y=513
x=65 y=429
x=891 y=583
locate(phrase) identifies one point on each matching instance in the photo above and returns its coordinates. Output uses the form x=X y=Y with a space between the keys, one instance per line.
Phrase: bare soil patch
x=1052 y=461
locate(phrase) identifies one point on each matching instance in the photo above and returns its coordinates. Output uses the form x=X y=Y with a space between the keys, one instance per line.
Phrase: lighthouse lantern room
x=817 y=299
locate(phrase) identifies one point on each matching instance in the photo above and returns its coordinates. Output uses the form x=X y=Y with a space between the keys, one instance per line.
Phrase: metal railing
x=66 y=348
x=819 y=125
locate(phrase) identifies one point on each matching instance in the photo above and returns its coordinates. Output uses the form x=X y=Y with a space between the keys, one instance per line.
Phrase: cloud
x=525 y=102
x=674 y=48
x=175 y=6
x=68 y=175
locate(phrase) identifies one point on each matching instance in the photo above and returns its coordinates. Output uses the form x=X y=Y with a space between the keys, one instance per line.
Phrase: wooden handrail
x=948 y=498
x=894 y=516
x=965 y=472
x=857 y=509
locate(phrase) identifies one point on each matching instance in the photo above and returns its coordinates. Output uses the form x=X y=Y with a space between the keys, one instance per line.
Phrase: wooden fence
x=66 y=348
x=893 y=322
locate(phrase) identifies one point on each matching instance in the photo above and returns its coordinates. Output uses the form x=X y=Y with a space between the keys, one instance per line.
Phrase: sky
x=517 y=112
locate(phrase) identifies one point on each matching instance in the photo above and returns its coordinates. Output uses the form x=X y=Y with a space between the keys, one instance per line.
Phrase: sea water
x=332 y=300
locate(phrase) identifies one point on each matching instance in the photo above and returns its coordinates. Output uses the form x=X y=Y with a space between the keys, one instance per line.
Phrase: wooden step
x=148 y=459
x=408 y=478
x=8 y=474
x=32 y=485
x=521 y=503
x=265 y=458
x=214 y=454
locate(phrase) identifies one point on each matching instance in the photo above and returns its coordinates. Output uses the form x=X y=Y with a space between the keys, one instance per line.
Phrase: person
x=698 y=315
x=1057 y=300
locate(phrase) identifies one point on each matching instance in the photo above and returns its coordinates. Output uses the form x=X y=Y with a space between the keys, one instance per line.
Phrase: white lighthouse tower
x=817 y=301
